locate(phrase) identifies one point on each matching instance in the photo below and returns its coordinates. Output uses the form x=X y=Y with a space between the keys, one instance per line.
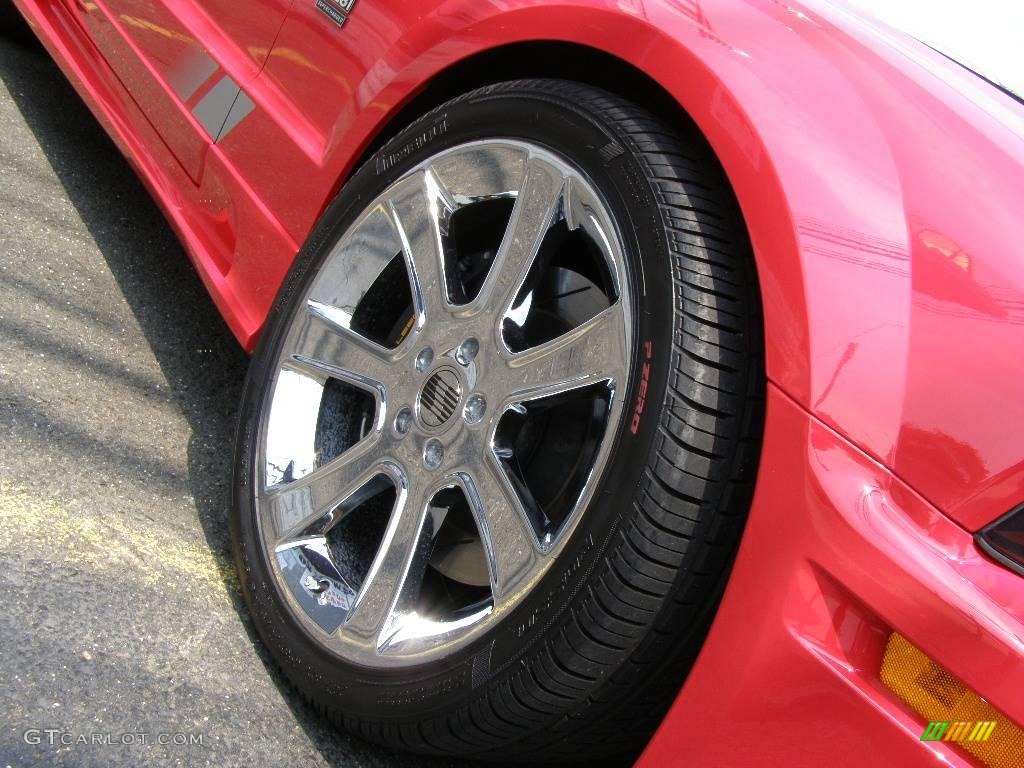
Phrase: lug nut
x=424 y=359
x=433 y=454
x=474 y=409
x=467 y=351
x=403 y=420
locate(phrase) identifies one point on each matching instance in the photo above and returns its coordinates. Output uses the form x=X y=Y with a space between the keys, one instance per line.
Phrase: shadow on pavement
x=176 y=315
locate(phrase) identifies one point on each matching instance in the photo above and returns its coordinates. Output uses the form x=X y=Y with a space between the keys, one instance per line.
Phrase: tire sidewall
x=511 y=111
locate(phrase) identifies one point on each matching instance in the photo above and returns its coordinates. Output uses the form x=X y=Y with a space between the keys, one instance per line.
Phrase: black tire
x=586 y=666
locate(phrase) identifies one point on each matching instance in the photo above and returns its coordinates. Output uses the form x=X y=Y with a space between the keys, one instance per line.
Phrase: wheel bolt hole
x=467 y=351
x=403 y=420
x=424 y=359
x=474 y=409
x=433 y=454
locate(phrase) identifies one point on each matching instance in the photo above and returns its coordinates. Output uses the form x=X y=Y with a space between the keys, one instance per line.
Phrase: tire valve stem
x=314 y=585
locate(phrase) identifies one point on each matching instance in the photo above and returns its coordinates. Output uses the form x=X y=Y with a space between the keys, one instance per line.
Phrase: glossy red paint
x=169 y=56
x=880 y=184
x=837 y=553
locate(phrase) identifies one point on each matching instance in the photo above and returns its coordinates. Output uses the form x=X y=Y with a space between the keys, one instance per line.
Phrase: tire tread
x=607 y=672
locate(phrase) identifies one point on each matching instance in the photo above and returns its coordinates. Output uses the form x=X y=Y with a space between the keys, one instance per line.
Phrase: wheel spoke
x=417 y=206
x=535 y=209
x=508 y=538
x=313 y=504
x=387 y=588
x=592 y=352
x=396 y=574
x=322 y=344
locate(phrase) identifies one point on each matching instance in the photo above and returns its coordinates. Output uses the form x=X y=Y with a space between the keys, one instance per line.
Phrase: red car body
x=881 y=185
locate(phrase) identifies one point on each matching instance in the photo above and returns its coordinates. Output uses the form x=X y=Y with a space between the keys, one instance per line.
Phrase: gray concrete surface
x=119 y=609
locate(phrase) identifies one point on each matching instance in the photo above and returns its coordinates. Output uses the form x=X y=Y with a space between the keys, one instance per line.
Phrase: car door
x=185 y=61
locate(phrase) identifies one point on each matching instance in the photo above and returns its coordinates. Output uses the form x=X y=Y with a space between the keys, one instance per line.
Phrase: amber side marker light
x=1004 y=540
x=955 y=713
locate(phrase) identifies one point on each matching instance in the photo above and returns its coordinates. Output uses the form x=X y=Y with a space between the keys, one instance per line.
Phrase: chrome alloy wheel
x=444 y=403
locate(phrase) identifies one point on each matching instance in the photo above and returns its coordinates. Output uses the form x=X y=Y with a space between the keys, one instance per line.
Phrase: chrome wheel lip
x=402 y=637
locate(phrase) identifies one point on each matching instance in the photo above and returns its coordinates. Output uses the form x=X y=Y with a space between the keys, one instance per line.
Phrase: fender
x=877 y=285
x=828 y=133
x=877 y=181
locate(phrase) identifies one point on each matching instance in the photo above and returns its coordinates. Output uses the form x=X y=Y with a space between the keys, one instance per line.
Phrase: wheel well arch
x=534 y=59
x=688 y=90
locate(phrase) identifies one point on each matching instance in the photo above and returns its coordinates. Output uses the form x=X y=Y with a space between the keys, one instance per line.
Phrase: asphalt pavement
x=121 y=625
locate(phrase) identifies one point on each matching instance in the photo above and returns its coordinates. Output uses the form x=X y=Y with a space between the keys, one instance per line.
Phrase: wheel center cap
x=439 y=398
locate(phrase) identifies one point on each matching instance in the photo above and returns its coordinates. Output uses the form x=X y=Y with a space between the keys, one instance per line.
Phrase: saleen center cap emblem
x=336 y=10
x=439 y=398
